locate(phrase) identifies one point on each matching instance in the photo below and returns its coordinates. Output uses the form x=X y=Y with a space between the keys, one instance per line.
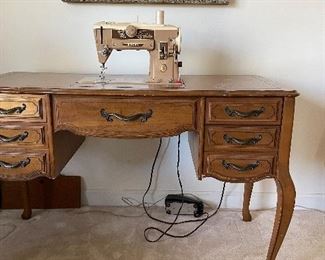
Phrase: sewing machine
x=162 y=41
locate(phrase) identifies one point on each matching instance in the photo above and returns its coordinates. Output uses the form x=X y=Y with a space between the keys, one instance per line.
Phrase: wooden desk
x=239 y=128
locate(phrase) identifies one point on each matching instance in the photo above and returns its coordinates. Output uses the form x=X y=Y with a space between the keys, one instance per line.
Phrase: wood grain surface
x=229 y=110
x=195 y=85
x=234 y=138
x=15 y=136
x=214 y=167
x=81 y=115
x=38 y=165
x=32 y=107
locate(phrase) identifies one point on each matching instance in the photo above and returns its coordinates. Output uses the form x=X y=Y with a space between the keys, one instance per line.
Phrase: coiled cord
x=174 y=222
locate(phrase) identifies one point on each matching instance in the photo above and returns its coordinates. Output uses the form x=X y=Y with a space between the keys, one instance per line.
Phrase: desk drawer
x=241 y=138
x=19 y=136
x=20 y=166
x=18 y=107
x=238 y=168
x=244 y=111
x=129 y=117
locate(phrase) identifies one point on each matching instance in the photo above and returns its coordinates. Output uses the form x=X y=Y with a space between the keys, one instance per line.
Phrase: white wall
x=281 y=40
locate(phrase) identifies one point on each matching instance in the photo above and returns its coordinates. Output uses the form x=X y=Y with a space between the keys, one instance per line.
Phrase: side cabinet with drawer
x=241 y=138
x=24 y=136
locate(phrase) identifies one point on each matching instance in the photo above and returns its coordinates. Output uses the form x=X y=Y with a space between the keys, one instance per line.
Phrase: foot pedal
x=191 y=205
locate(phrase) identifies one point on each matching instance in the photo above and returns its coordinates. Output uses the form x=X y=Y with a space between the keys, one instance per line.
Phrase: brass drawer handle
x=19 y=138
x=21 y=164
x=233 y=140
x=14 y=110
x=235 y=113
x=249 y=167
x=143 y=117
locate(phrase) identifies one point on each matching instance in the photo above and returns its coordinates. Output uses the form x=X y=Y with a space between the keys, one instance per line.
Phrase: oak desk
x=239 y=128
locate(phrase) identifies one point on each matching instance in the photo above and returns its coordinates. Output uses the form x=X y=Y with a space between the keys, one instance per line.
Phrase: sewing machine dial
x=131 y=31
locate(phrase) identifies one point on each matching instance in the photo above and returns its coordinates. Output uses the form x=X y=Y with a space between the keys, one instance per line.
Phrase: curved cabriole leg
x=247 y=198
x=285 y=187
x=285 y=206
x=27 y=213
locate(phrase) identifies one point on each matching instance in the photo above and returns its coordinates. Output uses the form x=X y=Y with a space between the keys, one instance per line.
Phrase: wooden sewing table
x=239 y=128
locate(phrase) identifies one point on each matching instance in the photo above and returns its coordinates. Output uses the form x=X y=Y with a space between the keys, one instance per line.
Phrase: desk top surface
x=195 y=85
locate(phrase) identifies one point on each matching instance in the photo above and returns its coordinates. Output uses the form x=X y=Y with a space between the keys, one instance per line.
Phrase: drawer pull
x=246 y=168
x=143 y=117
x=235 y=113
x=21 y=164
x=19 y=138
x=14 y=110
x=233 y=140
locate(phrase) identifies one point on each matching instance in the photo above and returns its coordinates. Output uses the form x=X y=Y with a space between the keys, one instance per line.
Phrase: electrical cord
x=13 y=228
x=173 y=223
x=129 y=203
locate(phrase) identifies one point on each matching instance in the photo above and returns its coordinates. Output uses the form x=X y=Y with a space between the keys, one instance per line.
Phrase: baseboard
x=260 y=200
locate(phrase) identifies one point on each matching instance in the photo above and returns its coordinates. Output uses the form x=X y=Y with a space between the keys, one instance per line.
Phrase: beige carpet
x=100 y=233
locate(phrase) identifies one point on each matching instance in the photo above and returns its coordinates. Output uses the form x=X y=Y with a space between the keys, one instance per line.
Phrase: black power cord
x=171 y=224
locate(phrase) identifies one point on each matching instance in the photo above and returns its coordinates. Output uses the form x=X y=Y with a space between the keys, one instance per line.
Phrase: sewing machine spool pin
x=160 y=17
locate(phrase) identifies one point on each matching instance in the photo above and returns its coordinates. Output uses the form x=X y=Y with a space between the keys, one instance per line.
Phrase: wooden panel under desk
x=82 y=115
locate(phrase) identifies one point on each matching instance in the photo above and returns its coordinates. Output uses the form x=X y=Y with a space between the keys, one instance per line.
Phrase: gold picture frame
x=178 y=2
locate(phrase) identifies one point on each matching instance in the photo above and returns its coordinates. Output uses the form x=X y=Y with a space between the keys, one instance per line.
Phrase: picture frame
x=177 y=2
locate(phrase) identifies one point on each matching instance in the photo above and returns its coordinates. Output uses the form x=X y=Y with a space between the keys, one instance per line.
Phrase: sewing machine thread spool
x=160 y=17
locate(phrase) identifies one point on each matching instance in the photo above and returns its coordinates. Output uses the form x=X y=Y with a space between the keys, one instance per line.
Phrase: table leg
x=27 y=213
x=247 y=198
x=0 y=194
x=285 y=206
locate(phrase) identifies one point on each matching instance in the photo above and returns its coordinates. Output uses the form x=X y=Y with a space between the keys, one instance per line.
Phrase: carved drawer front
x=244 y=138
x=118 y=117
x=239 y=168
x=20 y=166
x=244 y=110
x=16 y=136
x=17 y=107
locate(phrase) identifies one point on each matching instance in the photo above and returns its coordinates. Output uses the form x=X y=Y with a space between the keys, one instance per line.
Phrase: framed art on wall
x=181 y=2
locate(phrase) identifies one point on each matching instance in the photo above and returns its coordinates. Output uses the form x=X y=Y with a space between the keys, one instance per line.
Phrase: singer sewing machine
x=162 y=41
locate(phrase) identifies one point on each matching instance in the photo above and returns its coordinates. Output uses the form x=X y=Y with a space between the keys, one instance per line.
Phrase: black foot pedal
x=191 y=205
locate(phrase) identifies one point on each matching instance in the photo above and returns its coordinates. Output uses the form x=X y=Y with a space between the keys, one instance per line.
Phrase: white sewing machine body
x=162 y=42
